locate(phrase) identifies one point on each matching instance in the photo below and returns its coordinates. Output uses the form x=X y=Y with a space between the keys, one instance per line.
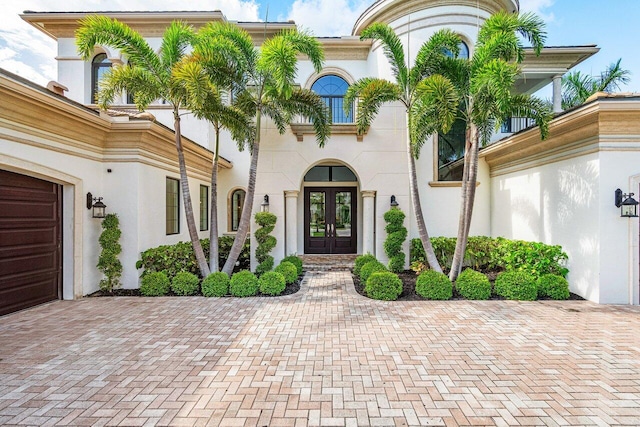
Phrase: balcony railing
x=516 y=124
x=336 y=106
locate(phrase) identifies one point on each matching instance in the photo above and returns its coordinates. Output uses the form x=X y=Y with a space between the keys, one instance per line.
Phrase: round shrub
x=553 y=286
x=361 y=261
x=288 y=270
x=272 y=283
x=185 y=283
x=433 y=285
x=295 y=260
x=474 y=285
x=155 y=284
x=516 y=285
x=243 y=284
x=371 y=267
x=215 y=285
x=383 y=285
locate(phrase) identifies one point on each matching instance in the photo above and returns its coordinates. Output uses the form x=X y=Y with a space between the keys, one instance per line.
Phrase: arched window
x=99 y=66
x=235 y=208
x=331 y=89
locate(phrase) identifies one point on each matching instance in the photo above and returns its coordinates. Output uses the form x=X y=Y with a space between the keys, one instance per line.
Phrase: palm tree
x=484 y=85
x=150 y=78
x=577 y=87
x=209 y=76
x=269 y=90
x=429 y=99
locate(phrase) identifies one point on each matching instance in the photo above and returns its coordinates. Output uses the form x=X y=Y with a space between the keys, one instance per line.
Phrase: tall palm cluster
x=577 y=86
x=216 y=74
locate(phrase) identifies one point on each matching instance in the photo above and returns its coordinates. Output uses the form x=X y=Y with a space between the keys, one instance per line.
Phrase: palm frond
x=303 y=42
x=309 y=105
x=175 y=41
x=371 y=94
x=524 y=105
x=613 y=77
x=131 y=79
x=278 y=61
x=432 y=55
x=392 y=48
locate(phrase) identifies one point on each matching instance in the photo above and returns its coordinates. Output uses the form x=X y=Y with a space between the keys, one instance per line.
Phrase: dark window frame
x=172 y=227
x=234 y=221
x=333 y=95
x=98 y=63
x=204 y=216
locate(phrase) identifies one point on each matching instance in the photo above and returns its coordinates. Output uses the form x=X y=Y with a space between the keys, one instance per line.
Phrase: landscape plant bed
x=409 y=277
x=290 y=289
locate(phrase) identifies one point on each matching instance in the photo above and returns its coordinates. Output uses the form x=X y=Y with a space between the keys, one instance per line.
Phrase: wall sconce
x=95 y=203
x=394 y=202
x=264 y=207
x=627 y=204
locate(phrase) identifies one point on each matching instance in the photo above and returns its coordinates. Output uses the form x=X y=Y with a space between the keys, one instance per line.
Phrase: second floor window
x=99 y=67
x=331 y=89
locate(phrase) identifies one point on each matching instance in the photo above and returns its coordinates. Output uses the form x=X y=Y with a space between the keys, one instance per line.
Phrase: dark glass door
x=330 y=220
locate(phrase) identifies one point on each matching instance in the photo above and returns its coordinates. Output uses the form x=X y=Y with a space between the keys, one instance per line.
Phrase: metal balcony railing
x=516 y=124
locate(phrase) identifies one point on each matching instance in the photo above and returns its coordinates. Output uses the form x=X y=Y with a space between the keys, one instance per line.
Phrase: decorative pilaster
x=368 y=222
x=557 y=93
x=291 y=221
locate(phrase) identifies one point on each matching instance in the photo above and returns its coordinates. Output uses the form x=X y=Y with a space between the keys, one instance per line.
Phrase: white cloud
x=539 y=8
x=327 y=17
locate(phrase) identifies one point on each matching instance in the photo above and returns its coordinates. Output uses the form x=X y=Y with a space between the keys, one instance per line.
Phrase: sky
x=610 y=24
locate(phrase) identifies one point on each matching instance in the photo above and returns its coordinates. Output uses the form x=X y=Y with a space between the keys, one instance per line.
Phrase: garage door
x=30 y=241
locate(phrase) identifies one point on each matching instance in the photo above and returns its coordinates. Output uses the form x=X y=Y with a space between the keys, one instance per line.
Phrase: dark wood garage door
x=30 y=241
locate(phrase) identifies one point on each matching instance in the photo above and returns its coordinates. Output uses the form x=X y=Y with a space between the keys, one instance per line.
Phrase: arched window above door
x=332 y=89
x=99 y=66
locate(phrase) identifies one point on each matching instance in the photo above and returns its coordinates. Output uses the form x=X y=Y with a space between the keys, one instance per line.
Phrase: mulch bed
x=409 y=277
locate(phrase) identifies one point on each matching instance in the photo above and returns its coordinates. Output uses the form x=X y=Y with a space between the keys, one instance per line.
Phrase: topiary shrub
x=516 y=285
x=433 y=285
x=396 y=235
x=295 y=260
x=155 y=284
x=272 y=283
x=370 y=268
x=473 y=285
x=108 y=262
x=243 y=284
x=288 y=271
x=215 y=285
x=266 y=242
x=361 y=261
x=383 y=285
x=185 y=283
x=553 y=286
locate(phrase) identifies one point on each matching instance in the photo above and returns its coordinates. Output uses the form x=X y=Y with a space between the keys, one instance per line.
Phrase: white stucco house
x=56 y=147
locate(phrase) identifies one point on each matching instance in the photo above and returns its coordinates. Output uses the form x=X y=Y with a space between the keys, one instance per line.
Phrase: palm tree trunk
x=213 y=227
x=186 y=198
x=245 y=218
x=417 y=206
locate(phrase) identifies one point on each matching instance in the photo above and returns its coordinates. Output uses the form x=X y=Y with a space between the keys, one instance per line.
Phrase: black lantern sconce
x=264 y=206
x=95 y=203
x=394 y=202
x=627 y=204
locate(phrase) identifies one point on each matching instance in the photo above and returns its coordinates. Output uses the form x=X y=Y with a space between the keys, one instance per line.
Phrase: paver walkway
x=325 y=356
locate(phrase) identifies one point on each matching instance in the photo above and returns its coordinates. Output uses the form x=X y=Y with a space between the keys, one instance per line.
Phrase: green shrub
x=396 y=235
x=370 y=268
x=266 y=242
x=288 y=270
x=154 y=284
x=516 y=285
x=361 y=261
x=383 y=285
x=272 y=283
x=295 y=260
x=185 y=283
x=215 y=285
x=553 y=286
x=473 y=285
x=433 y=285
x=243 y=284
x=108 y=262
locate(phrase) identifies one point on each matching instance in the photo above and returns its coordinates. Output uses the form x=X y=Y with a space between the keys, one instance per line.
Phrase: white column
x=368 y=221
x=291 y=221
x=557 y=93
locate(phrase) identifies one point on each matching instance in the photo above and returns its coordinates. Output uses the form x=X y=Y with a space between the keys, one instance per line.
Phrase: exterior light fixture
x=95 y=203
x=394 y=202
x=627 y=204
x=264 y=207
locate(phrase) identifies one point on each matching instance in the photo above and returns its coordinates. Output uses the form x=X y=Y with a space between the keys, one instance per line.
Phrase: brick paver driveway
x=325 y=356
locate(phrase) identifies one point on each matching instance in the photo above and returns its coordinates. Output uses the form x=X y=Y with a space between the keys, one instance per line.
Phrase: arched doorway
x=330 y=210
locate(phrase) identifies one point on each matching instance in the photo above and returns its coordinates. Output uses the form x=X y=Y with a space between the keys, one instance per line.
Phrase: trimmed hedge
x=295 y=260
x=288 y=271
x=361 y=261
x=473 y=285
x=434 y=285
x=266 y=242
x=383 y=285
x=243 y=284
x=215 y=285
x=155 y=284
x=516 y=285
x=185 y=283
x=371 y=267
x=396 y=235
x=272 y=283
x=553 y=286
